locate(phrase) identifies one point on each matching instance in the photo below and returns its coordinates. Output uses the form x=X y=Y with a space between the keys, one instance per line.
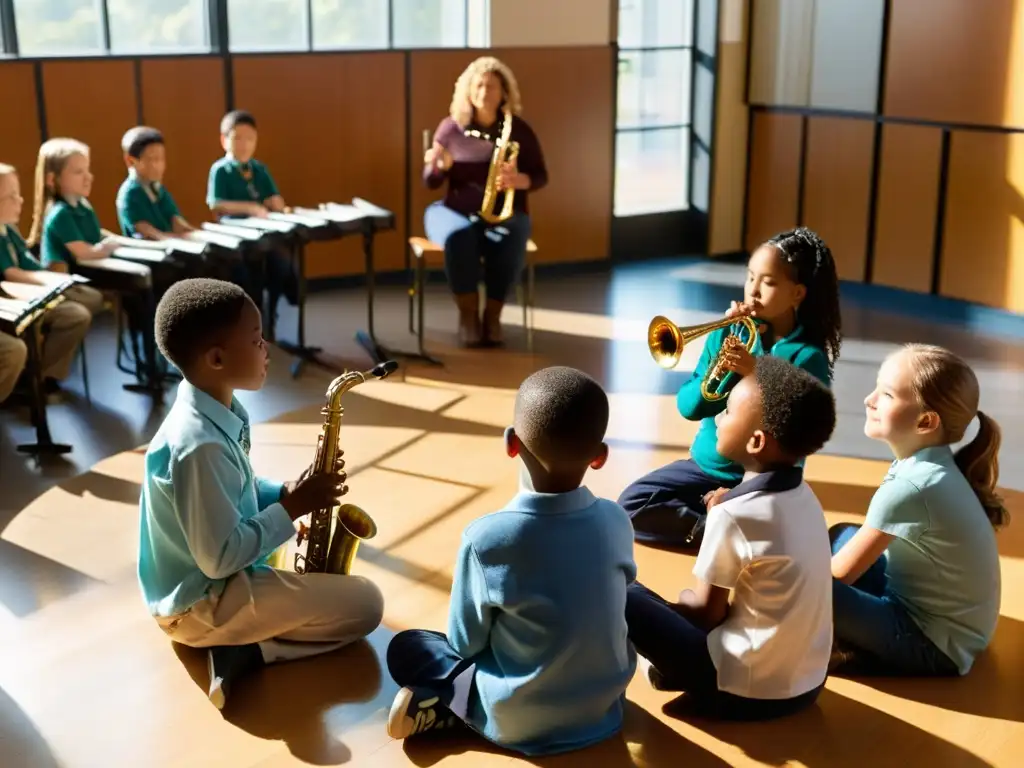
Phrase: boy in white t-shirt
x=765 y=654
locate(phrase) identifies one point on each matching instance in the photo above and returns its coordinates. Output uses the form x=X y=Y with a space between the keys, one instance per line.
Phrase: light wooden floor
x=86 y=678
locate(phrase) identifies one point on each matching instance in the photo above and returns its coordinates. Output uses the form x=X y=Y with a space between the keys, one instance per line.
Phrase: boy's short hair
x=561 y=414
x=235 y=118
x=135 y=140
x=193 y=314
x=796 y=408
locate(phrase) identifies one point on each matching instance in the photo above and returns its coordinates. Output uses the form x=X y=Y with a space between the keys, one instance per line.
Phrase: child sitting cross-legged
x=536 y=658
x=766 y=653
x=209 y=524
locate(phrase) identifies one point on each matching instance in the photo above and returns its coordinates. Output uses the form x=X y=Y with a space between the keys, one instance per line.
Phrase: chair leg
x=85 y=373
x=413 y=291
x=529 y=308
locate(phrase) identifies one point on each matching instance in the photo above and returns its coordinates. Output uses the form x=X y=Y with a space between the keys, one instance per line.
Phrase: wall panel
x=536 y=23
x=332 y=127
x=837 y=188
x=191 y=135
x=908 y=191
x=781 y=52
x=957 y=61
x=772 y=194
x=94 y=101
x=847 y=53
x=983 y=243
x=19 y=129
x=572 y=215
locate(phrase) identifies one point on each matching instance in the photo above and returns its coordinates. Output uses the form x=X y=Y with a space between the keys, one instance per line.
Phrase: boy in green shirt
x=240 y=186
x=145 y=208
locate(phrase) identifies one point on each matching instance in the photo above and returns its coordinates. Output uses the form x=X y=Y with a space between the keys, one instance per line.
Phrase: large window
x=652 y=143
x=97 y=27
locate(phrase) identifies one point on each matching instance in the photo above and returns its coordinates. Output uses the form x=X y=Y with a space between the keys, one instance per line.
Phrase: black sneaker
x=416 y=711
x=228 y=664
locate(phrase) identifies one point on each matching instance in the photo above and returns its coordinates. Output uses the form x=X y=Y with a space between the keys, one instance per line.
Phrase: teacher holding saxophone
x=486 y=96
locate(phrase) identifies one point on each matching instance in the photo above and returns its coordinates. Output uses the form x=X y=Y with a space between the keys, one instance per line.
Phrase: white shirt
x=768 y=541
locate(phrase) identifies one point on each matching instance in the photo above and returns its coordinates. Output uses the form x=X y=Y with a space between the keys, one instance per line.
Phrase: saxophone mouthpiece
x=382 y=370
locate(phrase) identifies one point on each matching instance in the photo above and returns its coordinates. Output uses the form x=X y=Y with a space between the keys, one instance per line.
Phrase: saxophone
x=505 y=151
x=334 y=533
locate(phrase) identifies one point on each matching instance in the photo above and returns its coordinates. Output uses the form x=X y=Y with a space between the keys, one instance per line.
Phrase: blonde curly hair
x=461 y=110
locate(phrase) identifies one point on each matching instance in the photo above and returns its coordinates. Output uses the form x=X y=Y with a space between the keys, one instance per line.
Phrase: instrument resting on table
x=666 y=341
x=21 y=304
x=334 y=533
x=505 y=151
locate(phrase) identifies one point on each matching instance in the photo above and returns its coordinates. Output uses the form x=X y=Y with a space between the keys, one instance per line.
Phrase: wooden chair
x=428 y=254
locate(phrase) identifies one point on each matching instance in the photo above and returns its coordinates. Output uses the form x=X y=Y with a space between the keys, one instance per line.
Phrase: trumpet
x=505 y=151
x=666 y=342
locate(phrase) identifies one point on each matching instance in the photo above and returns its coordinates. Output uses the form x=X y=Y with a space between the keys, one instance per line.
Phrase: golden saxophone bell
x=666 y=342
x=505 y=151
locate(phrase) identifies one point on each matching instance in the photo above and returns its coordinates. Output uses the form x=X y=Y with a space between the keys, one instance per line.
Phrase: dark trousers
x=678 y=650
x=667 y=505
x=466 y=241
x=871 y=622
x=420 y=658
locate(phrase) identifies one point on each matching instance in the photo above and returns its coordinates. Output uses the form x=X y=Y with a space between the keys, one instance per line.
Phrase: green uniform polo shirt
x=14 y=252
x=232 y=181
x=66 y=223
x=149 y=202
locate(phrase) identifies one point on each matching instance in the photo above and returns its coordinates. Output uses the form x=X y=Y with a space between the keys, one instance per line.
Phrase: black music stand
x=301 y=352
x=44 y=445
x=380 y=220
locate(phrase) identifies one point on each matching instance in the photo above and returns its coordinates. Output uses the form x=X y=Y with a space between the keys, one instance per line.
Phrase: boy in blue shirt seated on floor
x=239 y=186
x=209 y=524
x=145 y=208
x=536 y=658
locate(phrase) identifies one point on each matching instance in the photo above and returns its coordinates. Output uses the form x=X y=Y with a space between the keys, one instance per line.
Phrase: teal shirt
x=14 y=252
x=204 y=515
x=64 y=223
x=538 y=602
x=943 y=565
x=693 y=406
x=138 y=201
x=231 y=181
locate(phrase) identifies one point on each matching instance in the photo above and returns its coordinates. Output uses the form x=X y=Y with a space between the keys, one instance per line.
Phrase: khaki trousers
x=13 y=355
x=266 y=604
x=87 y=296
x=64 y=327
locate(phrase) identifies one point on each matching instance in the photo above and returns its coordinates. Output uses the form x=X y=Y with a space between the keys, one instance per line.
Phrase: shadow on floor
x=987 y=690
x=836 y=733
x=23 y=746
x=309 y=703
x=29 y=582
x=645 y=742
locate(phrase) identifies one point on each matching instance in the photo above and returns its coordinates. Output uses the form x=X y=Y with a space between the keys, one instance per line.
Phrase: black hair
x=135 y=140
x=561 y=415
x=192 y=314
x=796 y=408
x=812 y=265
x=235 y=118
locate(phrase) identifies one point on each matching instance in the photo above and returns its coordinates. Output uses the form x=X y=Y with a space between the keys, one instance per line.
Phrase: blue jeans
x=424 y=659
x=871 y=622
x=667 y=505
x=678 y=650
x=468 y=240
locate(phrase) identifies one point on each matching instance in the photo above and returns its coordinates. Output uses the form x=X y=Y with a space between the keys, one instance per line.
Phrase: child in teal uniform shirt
x=792 y=293
x=240 y=185
x=145 y=207
x=64 y=326
x=66 y=227
x=916 y=589
x=536 y=658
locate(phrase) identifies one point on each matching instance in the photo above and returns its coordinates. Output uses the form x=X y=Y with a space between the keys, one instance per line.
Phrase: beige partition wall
x=551 y=23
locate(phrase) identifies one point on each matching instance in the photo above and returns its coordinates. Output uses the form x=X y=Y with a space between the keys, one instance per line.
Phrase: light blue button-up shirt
x=538 y=602
x=204 y=515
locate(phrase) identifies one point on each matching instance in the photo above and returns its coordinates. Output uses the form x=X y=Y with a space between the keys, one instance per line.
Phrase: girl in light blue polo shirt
x=917 y=587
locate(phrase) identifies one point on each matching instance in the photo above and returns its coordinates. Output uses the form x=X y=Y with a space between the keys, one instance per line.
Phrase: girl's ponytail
x=979 y=462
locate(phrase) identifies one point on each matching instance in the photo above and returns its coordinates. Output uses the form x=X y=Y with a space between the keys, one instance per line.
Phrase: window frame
x=217 y=32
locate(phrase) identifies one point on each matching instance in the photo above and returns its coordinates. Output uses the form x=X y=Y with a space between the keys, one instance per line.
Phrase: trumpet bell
x=665 y=342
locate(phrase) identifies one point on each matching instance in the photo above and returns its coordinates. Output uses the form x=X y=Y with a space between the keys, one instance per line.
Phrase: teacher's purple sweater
x=471 y=158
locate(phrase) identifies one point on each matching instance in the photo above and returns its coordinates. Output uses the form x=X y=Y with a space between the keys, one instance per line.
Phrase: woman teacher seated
x=486 y=95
